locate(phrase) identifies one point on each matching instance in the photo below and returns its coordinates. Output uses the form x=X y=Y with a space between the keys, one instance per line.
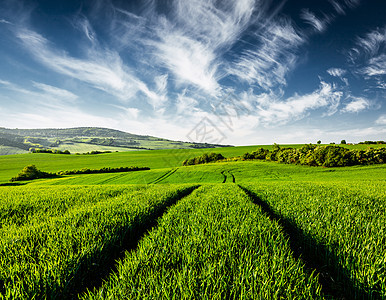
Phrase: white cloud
x=84 y=26
x=371 y=49
x=42 y=97
x=271 y=110
x=103 y=69
x=352 y=3
x=381 y=120
x=56 y=92
x=338 y=7
x=190 y=40
x=336 y=72
x=358 y=104
x=186 y=105
x=275 y=55
x=376 y=66
x=190 y=61
x=5 y=21
x=4 y=82
x=310 y=18
x=370 y=44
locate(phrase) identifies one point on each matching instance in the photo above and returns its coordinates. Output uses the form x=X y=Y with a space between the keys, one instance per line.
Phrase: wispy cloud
x=188 y=60
x=352 y=3
x=381 y=120
x=82 y=23
x=376 y=66
x=336 y=72
x=372 y=42
x=191 y=39
x=339 y=6
x=4 y=82
x=42 y=95
x=56 y=92
x=269 y=63
x=102 y=68
x=356 y=105
x=317 y=23
x=369 y=56
x=5 y=21
x=339 y=73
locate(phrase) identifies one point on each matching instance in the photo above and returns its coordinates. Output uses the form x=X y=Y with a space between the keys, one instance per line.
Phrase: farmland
x=226 y=230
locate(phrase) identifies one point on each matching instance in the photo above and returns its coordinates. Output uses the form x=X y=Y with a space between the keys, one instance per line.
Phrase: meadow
x=226 y=230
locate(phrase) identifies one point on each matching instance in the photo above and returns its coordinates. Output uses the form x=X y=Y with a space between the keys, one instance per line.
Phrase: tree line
x=310 y=155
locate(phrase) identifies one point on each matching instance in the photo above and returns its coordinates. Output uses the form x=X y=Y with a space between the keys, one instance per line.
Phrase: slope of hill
x=86 y=139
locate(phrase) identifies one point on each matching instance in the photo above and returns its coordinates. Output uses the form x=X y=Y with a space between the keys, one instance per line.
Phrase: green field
x=226 y=230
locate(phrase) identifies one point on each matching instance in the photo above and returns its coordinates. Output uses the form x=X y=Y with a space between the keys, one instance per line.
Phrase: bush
x=31 y=172
x=203 y=159
x=49 y=151
x=260 y=153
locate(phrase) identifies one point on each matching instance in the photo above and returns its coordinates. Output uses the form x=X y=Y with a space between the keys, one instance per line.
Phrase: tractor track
x=164 y=176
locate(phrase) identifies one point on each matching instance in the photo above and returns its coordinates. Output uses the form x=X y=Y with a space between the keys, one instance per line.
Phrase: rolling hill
x=85 y=139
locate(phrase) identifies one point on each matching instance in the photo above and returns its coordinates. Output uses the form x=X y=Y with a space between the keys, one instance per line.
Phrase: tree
x=319 y=142
x=343 y=142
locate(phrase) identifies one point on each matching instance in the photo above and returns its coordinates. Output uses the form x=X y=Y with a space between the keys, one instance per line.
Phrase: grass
x=84 y=148
x=10 y=165
x=295 y=232
x=6 y=150
x=342 y=225
x=48 y=249
x=242 y=171
x=214 y=244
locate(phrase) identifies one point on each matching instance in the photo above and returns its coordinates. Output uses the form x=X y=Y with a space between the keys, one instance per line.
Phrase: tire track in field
x=164 y=176
x=336 y=286
x=226 y=177
x=93 y=278
x=112 y=178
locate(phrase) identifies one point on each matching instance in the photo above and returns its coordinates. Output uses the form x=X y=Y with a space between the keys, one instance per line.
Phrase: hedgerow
x=326 y=156
x=203 y=159
x=32 y=172
x=103 y=170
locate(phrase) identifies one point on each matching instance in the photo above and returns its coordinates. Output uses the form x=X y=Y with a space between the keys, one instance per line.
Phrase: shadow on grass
x=97 y=266
x=13 y=183
x=334 y=279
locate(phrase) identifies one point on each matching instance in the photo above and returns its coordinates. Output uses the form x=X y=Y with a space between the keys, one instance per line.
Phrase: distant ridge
x=85 y=139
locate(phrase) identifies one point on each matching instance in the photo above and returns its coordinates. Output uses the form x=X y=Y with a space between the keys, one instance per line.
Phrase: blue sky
x=231 y=72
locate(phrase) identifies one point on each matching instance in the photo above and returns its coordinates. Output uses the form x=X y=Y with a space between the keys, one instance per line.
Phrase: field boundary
x=339 y=287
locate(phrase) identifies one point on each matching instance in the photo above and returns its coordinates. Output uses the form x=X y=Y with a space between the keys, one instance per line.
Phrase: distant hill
x=85 y=139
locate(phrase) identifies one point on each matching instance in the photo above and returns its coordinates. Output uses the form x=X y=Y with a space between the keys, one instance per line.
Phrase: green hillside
x=86 y=139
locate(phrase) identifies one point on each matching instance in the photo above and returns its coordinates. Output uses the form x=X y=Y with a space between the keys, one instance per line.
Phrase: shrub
x=203 y=159
x=31 y=172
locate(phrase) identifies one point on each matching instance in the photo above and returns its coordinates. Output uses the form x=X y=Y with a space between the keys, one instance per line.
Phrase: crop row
x=22 y=206
x=213 y=244
x=69 y=234
x=343 y=226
